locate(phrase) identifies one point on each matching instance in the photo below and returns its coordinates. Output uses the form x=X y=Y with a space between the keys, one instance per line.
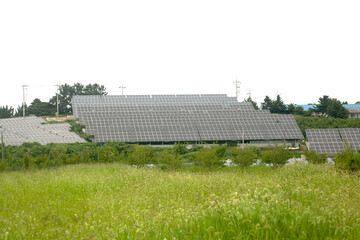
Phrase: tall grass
x=114 y=201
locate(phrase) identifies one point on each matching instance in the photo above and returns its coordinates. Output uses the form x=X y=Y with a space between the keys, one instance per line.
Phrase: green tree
x=336 y=109
x=331 y=107
x=358 y=102
x=39 y=108
x=66 y=92
x=274 y=106
x=6 y=112
x=249 y=99
x=267 y=104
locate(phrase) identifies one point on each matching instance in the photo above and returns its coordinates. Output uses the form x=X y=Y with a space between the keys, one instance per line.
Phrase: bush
x=108 y=154
x=277 y=156
x=2 y=166
x=170 y=159
x=58 y=155
x=348 y=160
x=27 y=162
x=313 y=157
x=141 y=155
x=244 y=157
x=210 y=158
x=180 y=149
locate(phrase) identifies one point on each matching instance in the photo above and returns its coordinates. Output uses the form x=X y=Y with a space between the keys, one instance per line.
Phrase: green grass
x=116 y=202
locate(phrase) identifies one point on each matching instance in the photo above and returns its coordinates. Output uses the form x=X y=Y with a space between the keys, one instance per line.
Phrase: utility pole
x=57 y=100
x=237 y=88
x=122 y=89
x=24 y=103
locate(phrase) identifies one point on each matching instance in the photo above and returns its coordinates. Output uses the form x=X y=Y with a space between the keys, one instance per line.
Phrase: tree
x=358 y=102
x=6 y=112
x=274 y=106
x=323 y=104
x=39 y=108
x=249 y=99
x=66 y=92
x=335 y=109
x=331 y=107
x=267 y=104
x=278 y=105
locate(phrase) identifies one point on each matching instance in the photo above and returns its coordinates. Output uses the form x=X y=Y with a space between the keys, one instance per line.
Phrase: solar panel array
x=32 y=129
x=331 y=141
x=179 y=118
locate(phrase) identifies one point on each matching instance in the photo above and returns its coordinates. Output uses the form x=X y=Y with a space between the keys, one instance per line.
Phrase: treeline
x=36 y=156
x=326 y=107
x=322 y=122
x=66 y=92
x=30 y=156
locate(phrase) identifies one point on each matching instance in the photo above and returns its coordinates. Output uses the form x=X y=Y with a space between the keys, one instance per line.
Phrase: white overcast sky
x=301 y=50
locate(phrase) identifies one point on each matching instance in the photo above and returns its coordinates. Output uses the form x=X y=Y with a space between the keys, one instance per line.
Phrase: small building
x=353 y=109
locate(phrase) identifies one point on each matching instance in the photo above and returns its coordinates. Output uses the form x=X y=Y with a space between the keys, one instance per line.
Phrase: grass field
x=117 y=202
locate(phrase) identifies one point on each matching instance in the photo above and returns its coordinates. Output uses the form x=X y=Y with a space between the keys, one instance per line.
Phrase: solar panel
x=331 y=141
x=172 y=118
x=32 y=129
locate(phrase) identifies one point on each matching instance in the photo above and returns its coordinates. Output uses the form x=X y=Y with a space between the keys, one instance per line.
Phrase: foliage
x=170 y=159
x=321 y=122
x=250 y=100
x=141 y=155
x=348 y=159
x=108 y=154
x=244 y=157
x=58 y=155
x=276 y=155
x=6 y=112
x=2 y=166
x=210 y=157
x=277 y=105
x=180 y=149
x=313 y=157
x=39 y=108
x=331 y=107
x=66 y=92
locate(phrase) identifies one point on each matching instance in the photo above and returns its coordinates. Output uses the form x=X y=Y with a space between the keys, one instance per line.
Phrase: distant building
x=353 y=109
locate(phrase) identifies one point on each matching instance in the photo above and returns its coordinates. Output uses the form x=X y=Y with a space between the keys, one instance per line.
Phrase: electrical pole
x=237 y=88
x=122 y=89
x=57 y=100
x=24 y=103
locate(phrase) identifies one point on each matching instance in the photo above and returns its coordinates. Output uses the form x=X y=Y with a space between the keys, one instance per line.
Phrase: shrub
x=141 y=155
x=180 y=149
x=210 y=158
x=58 y=155
x=313 y=157
x=27 y=162
x=2 y=166
x=170 y=159
x=277 y=156
x=108 y=154
x=244 y=157
x=348 y=160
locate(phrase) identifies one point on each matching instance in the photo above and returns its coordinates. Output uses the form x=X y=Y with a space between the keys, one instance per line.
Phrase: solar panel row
x=32 y=129
x=173 y=118
x=331 y=141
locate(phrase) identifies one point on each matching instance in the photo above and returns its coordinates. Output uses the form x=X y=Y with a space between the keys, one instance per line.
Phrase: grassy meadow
x=115 y=201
